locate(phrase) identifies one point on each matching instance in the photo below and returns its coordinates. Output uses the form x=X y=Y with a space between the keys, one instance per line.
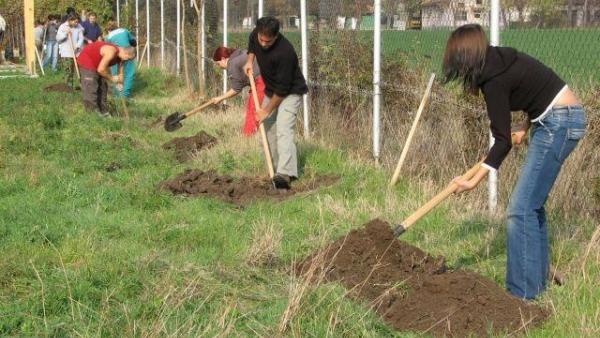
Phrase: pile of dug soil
x=58 y=87
x=413 y=291
x=239 y=191
x=186 y=147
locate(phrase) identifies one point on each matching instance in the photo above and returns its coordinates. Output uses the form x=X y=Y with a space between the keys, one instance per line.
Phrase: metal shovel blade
x=173 y=121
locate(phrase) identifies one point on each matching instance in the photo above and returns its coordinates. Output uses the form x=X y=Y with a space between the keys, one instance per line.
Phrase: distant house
x=453 y=13
x=578 y=9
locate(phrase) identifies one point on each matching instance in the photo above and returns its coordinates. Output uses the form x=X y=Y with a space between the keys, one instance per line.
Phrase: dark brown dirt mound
x=238 y=191
x=413 y=291
x=186 y=147
x=58 y=87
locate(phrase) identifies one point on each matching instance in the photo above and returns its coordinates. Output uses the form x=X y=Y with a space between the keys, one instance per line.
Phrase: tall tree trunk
x=585 y=13
x=570 y=13
x=186 y=69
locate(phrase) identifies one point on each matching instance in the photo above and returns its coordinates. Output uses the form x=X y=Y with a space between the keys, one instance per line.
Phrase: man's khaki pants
x=280 y=128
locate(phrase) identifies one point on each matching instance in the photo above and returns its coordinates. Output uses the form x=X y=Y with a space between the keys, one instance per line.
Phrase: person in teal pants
x=122 y=38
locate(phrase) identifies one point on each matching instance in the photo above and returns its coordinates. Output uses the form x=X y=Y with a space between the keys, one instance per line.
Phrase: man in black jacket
x=285 y=85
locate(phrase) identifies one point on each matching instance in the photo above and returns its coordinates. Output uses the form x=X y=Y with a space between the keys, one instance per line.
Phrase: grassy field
x=573 y=53
x=86 y=252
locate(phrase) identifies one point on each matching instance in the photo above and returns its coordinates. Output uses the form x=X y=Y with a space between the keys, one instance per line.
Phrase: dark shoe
x=282 y=181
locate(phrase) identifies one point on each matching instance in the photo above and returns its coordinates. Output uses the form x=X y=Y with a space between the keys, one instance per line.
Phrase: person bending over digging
x=233 y=60
x=284 y=87
x=95 y=61
x=122 y=38
x=513 y=81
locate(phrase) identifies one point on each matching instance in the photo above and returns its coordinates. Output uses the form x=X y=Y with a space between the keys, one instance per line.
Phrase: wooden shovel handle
x=413 y=128
x=439 y=198
x=74 y=58
x=263 y=134
x=198 y=109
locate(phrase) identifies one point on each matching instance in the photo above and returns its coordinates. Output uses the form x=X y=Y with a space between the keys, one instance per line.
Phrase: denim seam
x=530 y=185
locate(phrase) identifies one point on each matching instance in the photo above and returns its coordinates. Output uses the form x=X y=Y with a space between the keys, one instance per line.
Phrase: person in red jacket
x=95 y=61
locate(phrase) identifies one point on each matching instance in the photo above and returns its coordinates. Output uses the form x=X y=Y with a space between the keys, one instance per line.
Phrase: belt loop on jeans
x=543 y=125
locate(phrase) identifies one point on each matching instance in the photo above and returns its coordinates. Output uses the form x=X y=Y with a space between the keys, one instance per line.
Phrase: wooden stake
x=39 y=58
x=413 y=128
x=141 y=59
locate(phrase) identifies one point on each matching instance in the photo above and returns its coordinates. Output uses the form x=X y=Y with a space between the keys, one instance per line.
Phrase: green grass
x=96 y=253
x=572 y=53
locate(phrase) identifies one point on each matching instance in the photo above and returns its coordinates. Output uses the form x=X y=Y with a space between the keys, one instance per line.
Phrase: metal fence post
x=203 y=38
x=376 y=80
x=494 y=41
x=119 y=13
x=260 y=8
x=148 y=33
x=225 y=10
x=178 y=57
x=137 y=28
x=162 y=34
x=303 y=26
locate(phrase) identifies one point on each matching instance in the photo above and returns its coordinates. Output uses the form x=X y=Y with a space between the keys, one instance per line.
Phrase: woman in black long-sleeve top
x=513 y=81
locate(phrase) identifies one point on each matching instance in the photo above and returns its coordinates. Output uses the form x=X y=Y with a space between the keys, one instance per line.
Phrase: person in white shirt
x=2 y=29
x=70 y=43
x=38 y=33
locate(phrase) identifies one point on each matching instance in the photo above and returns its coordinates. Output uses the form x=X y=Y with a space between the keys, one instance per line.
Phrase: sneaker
x=281 y=181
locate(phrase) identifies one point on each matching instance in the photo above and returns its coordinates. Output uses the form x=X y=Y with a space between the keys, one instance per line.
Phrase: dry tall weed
x=266 y=242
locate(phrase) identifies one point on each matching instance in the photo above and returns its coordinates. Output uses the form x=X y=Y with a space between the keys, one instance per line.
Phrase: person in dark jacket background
x=284 y=87
x=514 y=81
x=91 y=30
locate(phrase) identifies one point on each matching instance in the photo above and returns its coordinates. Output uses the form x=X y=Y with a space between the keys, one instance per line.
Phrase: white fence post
x=162 y=34
x=178 y=37
x=148 y=33
x=260 y=8
x=303 y=25
x=376 y=81
x=495 y=41
x=137 y=28
x=225 y=10
x=119 y=13
x=203 y=38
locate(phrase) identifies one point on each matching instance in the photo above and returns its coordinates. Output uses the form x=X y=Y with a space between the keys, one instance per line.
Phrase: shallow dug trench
x=413 y=291
x=186 y=147
x=239 y=191
x=59 y=88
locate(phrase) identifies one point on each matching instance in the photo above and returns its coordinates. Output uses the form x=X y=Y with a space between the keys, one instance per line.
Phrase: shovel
x=553 y=274
x=74 y=57
x=263 y=134
x=173 y=121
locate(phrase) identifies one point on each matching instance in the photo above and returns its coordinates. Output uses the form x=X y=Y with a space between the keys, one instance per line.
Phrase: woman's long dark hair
x=465 y=56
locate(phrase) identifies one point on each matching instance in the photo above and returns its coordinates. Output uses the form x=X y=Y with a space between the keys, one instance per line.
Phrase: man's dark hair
x=268 y=26
x=91 y=14
x=72 y=17
x=71 y=10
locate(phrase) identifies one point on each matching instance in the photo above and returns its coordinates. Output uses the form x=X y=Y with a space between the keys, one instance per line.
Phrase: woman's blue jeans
x=551 y=141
